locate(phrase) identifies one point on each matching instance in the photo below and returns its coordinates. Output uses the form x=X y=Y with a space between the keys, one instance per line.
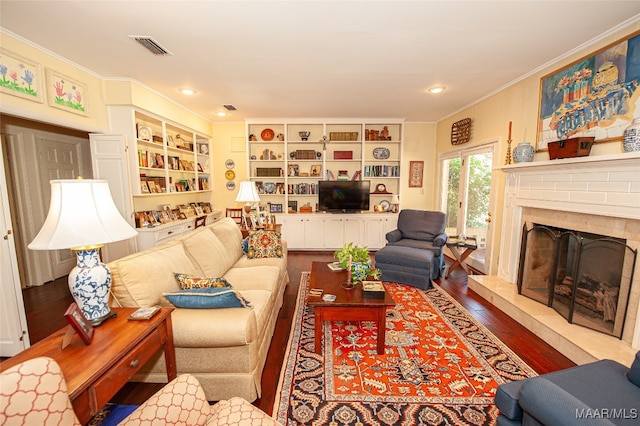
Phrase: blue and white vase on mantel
x=523 y=153
x=631 y=136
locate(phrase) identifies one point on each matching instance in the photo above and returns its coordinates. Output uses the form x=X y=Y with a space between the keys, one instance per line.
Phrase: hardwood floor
x=46 y=305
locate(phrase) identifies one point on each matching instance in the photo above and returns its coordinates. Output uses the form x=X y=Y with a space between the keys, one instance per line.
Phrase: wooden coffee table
x=349 y=305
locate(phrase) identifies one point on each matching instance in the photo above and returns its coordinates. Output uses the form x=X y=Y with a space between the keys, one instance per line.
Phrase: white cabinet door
x=109 y=158
x=334 y=232
x=293 y=231
x=314 y=232
x=374 y=232
x=353 y=231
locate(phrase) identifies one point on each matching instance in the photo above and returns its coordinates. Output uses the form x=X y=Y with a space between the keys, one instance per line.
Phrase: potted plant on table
x=358 y=258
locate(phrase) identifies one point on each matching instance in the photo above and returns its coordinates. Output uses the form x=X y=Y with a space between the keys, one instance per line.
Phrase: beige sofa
x=225 y=349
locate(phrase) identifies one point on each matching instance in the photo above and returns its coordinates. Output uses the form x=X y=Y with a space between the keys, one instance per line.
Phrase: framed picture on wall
x=595 y=96
x=416 y=169
x=66 y=93
x=23 y=77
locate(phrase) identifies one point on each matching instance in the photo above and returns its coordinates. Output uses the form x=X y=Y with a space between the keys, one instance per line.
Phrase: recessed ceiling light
x=187 y=91
x=437 y=89
x=221 y=114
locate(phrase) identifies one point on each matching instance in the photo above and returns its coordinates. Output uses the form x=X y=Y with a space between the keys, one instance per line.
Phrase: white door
x=466 y=197
x=36 y=156
x=14 y=336
x=57 y=160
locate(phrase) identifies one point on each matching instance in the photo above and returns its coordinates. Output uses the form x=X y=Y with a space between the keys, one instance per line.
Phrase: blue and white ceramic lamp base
x=89 y=283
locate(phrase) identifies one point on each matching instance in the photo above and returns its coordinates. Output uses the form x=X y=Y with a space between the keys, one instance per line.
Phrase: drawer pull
x=170 y=232
x=134 y=363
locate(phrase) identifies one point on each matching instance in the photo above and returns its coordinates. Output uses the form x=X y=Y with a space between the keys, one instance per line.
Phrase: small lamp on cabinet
x=247 y=194
x=83 y=217
x=395 y=204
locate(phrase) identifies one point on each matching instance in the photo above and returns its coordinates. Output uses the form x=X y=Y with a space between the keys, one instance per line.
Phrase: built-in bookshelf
x=287 y=158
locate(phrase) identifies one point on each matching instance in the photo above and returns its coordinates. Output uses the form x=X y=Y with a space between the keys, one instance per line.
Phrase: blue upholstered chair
x=603 y=392
x=414 y=252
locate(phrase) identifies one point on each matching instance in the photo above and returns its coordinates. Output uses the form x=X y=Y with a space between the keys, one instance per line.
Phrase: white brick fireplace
x=599 y=194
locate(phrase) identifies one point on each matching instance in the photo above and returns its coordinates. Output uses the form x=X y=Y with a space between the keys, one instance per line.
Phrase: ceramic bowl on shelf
x=304 y=135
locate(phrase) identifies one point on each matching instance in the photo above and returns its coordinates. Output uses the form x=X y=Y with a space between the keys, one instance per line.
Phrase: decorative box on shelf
x=343 y=155
x=569 y=148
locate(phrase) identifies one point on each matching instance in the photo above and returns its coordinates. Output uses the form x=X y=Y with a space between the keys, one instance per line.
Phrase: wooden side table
x=461 y=249
x=95 y=373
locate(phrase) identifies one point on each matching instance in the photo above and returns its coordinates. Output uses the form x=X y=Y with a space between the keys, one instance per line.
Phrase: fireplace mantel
x=596 y=188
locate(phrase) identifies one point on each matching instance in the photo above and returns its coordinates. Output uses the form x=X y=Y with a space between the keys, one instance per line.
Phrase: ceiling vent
x=151 y=45
x=230 y=107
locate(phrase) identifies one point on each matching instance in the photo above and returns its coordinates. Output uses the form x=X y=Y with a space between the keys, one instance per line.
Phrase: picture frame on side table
x=66 y=93
x=416 y=170
x=593 y=96
x=79 y=323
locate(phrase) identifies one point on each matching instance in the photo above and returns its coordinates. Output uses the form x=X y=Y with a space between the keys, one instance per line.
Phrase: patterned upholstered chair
x=35 y=392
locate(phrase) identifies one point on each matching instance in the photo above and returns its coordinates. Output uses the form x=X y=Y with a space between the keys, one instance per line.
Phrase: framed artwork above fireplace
x=594 y=96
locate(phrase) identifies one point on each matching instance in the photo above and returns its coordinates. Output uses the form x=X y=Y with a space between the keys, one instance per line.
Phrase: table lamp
x=395 y=204
x=83 y=217
x=247 y=194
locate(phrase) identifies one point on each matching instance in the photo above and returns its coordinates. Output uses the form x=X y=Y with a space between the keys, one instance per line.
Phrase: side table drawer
x=111 y=382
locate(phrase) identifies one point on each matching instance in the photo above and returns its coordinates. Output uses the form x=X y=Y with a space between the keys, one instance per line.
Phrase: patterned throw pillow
x=207 y=298
x=187 y=281
x=264 y=244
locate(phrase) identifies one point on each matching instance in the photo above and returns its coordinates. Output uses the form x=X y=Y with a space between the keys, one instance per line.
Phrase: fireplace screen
x=584 y=277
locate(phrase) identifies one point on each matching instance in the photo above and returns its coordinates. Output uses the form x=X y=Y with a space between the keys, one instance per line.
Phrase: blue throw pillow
x=207 y=298
x=245 y=245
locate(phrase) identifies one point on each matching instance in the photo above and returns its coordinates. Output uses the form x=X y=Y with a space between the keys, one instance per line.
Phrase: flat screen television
x=343 y=196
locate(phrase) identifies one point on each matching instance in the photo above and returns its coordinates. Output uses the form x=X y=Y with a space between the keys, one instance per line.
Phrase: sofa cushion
x=208 y=252
x=223 y=328
x=634 y=372
x=264 y=244
x=229 y=232
x=186 y=281
x=207 y=298
x=549 y=404
x=421 y=225
x=140 y=278
x=258 y=277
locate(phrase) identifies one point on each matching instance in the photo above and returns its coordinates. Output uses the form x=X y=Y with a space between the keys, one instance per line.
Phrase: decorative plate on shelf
x=381 y=153
x=229 y=164
x=386 y=205
x=269 y=187
x=230 y=174
x=267 y=135
x=231 y=185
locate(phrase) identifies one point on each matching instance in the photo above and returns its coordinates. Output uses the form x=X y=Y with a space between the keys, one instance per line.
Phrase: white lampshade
x=81 y=213
x=395 y=199
x=248 y=192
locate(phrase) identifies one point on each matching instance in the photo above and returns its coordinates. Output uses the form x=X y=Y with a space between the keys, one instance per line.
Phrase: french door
x=466 y=197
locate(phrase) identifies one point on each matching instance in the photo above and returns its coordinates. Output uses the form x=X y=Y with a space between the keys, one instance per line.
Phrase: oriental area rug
x=440 y=366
